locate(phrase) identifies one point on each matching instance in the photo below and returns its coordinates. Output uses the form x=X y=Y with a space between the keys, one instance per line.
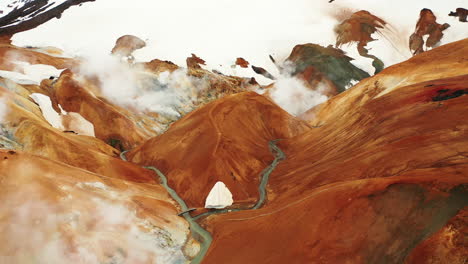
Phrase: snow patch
x=219 y=197
x=3 y=109
x=77 y=123
x=45 y=104
x=39 y=72
x=17 y=77
x=351 y=84
x=63 y=121
x=32 y=74
x=95 y=185
x=359 y=61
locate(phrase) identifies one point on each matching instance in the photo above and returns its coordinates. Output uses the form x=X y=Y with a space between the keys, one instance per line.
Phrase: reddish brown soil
x=226 y=140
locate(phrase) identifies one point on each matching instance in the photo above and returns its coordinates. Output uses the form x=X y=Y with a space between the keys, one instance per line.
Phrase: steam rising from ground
x=129 y=85
x=292 y=95
x=90 y=229
x=221 y=32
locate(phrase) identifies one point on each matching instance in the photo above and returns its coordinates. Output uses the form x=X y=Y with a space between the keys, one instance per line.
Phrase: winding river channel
x=201 y=234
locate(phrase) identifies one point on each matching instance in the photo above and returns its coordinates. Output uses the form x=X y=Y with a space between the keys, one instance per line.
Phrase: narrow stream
x=199 y=233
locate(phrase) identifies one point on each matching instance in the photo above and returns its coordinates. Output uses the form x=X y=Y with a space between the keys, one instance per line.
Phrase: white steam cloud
x=38 y=230
x=293 y=96
x=130 y=85
x=221 y=32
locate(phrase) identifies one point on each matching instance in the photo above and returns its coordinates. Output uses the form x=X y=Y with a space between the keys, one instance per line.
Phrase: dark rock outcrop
x=33 y=14
x=461 y=13
x=330 y=62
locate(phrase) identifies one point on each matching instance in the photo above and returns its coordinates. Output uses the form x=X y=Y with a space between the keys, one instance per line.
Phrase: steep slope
x=448 y=61
x=111 y=123
x=23 y=127
x=383 y=172
x=54 y=213
x=226 y=140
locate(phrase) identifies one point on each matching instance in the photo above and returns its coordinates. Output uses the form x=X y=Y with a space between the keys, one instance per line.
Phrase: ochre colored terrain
x=426 y=25
x=359 y=29
x=9 y=54
x=378 y=180
x=73 y=97
x=31 y=133
x=55 y=212
x=377 y=174
x=226 y=140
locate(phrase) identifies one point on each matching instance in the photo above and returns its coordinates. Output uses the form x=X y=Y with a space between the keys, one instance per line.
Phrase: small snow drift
x=3 y=109
x=219 y=197
x=78 y=124
x=47 y=110
x=28 y=74
x=64 y=121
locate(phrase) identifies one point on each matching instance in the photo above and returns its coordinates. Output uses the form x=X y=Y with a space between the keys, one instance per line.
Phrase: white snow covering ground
x=229 y=29
x=95 y=185
x=63 y=121
x=47 y=110
x=75 y=122
x=32 y=73
x=222 y=31
x=3 y=109
x=219 y=197
x=17 y=77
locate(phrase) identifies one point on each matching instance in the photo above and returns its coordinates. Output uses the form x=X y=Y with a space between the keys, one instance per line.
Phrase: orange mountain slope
x=377 y=174
x=384 y=170
x=226 y=140
x=25 y=128
x=52 y=212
